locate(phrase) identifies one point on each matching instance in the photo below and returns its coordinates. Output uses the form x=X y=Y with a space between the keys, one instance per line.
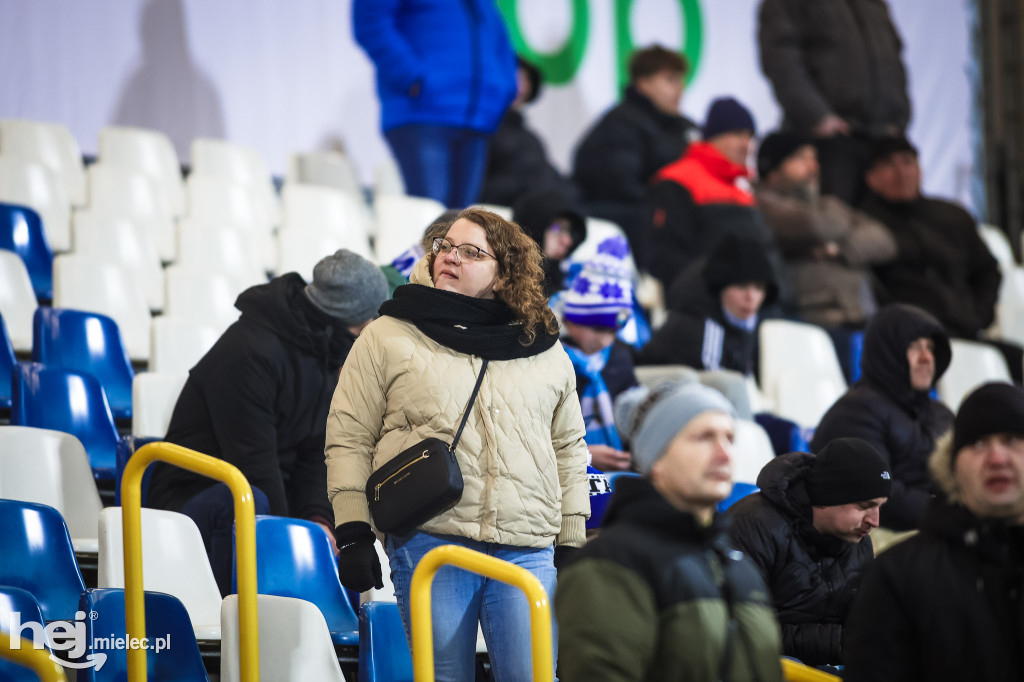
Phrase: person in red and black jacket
x=698 y=198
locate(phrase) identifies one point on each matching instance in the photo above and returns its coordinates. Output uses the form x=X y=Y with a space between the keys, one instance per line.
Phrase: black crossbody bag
x=420 y=482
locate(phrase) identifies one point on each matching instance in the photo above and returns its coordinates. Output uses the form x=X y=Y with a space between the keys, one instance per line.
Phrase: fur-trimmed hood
x=940 y=464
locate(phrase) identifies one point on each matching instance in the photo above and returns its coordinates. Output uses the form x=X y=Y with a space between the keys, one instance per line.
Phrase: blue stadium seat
x=614 y=476
x=7 y=364
x=21 y=231
x=295 y=559
x=166 y=621
x=89 y=343
x=384 y=655
x=71 y=402
x=36 y=555
x=786 y=435
x=14 y=600
x=739 y=491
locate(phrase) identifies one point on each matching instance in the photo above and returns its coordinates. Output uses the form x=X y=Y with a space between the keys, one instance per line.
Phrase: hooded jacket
x=813 y=577
x=535 y=212
x=942 y=265
x=650 y=599
x=946 y=604
x=901 y=423
x=258 y=400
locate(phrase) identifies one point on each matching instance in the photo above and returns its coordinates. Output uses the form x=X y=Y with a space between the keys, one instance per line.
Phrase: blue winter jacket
x=458 y=51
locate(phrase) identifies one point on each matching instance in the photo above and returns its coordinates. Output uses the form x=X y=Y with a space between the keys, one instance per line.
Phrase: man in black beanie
x=807 y=531
x=948 y=604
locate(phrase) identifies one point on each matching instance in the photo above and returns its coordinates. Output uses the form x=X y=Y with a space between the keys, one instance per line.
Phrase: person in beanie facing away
x=948 y=603
x=659 y=595
x=597 y=305
x=906 y=351
x=259 y=398
x=698 y=198
x=827 y=247
x=714 y=310
x=807 y=531
x=556 y=225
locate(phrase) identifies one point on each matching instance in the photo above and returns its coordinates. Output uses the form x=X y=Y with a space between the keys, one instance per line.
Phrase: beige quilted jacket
x=522 y=453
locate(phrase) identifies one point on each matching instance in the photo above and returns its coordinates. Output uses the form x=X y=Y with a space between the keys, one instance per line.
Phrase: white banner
x=287 y=76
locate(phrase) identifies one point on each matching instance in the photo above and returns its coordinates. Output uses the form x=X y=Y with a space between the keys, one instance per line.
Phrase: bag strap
x=469 y=406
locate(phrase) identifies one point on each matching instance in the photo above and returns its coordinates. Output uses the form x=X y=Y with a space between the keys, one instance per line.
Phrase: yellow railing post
x=245 y=547
x=467 y=559
x=798 y=672
x=36 y=660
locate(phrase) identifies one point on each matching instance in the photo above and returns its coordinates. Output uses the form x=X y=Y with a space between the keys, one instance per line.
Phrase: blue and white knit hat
x=602 y=294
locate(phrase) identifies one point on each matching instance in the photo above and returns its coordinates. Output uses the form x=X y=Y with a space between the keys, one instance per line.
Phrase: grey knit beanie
x=651 y=419
x=347 y=286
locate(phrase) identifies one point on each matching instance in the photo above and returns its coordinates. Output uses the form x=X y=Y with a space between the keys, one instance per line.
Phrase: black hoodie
x=903 y=424
x=535 y=212
x=812 y=576
x=259 y=400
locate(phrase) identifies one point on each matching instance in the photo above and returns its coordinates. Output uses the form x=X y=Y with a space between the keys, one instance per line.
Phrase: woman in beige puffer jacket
x=477 y=296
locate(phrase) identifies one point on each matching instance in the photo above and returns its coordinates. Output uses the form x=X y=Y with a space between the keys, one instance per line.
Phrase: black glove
x=564 y=555
x=358 y=565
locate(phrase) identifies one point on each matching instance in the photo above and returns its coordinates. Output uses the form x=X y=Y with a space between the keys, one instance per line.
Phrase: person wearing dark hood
x=948 y=604
x=714 y=310
x=659 y=595
x=807 y=531
x=553 y=222
x=906 y=351
x=259 y=400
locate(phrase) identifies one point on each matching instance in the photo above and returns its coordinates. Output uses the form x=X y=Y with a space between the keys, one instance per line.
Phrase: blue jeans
x=460 y=599
x=441 y=163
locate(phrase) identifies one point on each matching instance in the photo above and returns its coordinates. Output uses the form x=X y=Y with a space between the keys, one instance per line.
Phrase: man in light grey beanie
x=259 y=400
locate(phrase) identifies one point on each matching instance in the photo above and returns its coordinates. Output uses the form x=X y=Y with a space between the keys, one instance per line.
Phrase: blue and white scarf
x=595 y=401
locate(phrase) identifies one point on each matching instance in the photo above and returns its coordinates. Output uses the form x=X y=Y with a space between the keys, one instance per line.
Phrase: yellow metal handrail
x=496 y=569
x=798 y=672
x=36 y=660
x=245 y=542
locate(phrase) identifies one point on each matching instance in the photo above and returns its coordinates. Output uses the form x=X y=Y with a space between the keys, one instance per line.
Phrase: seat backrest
x=89 y=343
x=295 y=643
x=998 y=244
x=36 y=555
x=222 y=251
x=752 y=450
x=154 y=395
x=7 y=363
x=387 y=181
x=125 y=242
x=300 y=250
x=383 y=649
x=52 y=468
x=504 y=211
x=85 y=283
x=16 y=603
x=122 y=191
x=174 y=561
x=31 y=184
x=68 y=401
x=21 y=231
x=173 y=654
x=315 y=208
x=653 y=375
x=739 y=491
x=197 y=294
x=295 y=559
x=324 y=168
x=972 y=365
x=149 y=151
x=50 y=144
x=226 y=202
x=17 y=300
x=401 y=222
x=794 y=354
x=178 y=343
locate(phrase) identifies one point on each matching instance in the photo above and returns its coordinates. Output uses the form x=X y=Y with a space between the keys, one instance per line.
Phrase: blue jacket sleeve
x=375 y=24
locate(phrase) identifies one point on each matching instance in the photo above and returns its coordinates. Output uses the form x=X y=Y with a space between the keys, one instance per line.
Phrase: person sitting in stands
x=557 y=227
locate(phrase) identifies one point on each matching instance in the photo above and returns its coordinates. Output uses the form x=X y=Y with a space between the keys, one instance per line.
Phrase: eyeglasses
x=466 y=252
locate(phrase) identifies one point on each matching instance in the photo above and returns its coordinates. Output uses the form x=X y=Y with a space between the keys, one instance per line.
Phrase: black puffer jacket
x=883 y=409
x=518 y=163
x=812 y=577
x=259 y=400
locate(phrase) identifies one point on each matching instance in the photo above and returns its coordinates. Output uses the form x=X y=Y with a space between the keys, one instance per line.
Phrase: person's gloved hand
x=563 y=555
x=358 y=565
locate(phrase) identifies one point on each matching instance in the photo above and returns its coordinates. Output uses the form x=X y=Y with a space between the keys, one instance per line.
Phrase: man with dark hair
x=906 y=351
x=826 y=245
x=807 y=531
x=619 y=155
x=948 y=604
x=837 y=72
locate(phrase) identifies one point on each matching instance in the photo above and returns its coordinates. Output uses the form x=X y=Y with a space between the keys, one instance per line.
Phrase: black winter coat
x=945 y=605
x=812 y=577
x=517 y=163
x=902 y=424
x=259 y=400
x=941 y=264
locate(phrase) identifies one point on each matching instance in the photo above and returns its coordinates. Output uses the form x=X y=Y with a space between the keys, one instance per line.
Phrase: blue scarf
x=595 y=401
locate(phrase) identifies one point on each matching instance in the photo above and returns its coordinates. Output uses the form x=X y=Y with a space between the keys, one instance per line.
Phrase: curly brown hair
x=519 y=271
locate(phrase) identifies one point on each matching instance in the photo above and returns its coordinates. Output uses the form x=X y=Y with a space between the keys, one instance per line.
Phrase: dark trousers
x=843 y=160
x=213 y=511
x=440 y=163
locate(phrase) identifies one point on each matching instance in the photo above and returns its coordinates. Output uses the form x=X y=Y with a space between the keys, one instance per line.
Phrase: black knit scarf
x=482 y=327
